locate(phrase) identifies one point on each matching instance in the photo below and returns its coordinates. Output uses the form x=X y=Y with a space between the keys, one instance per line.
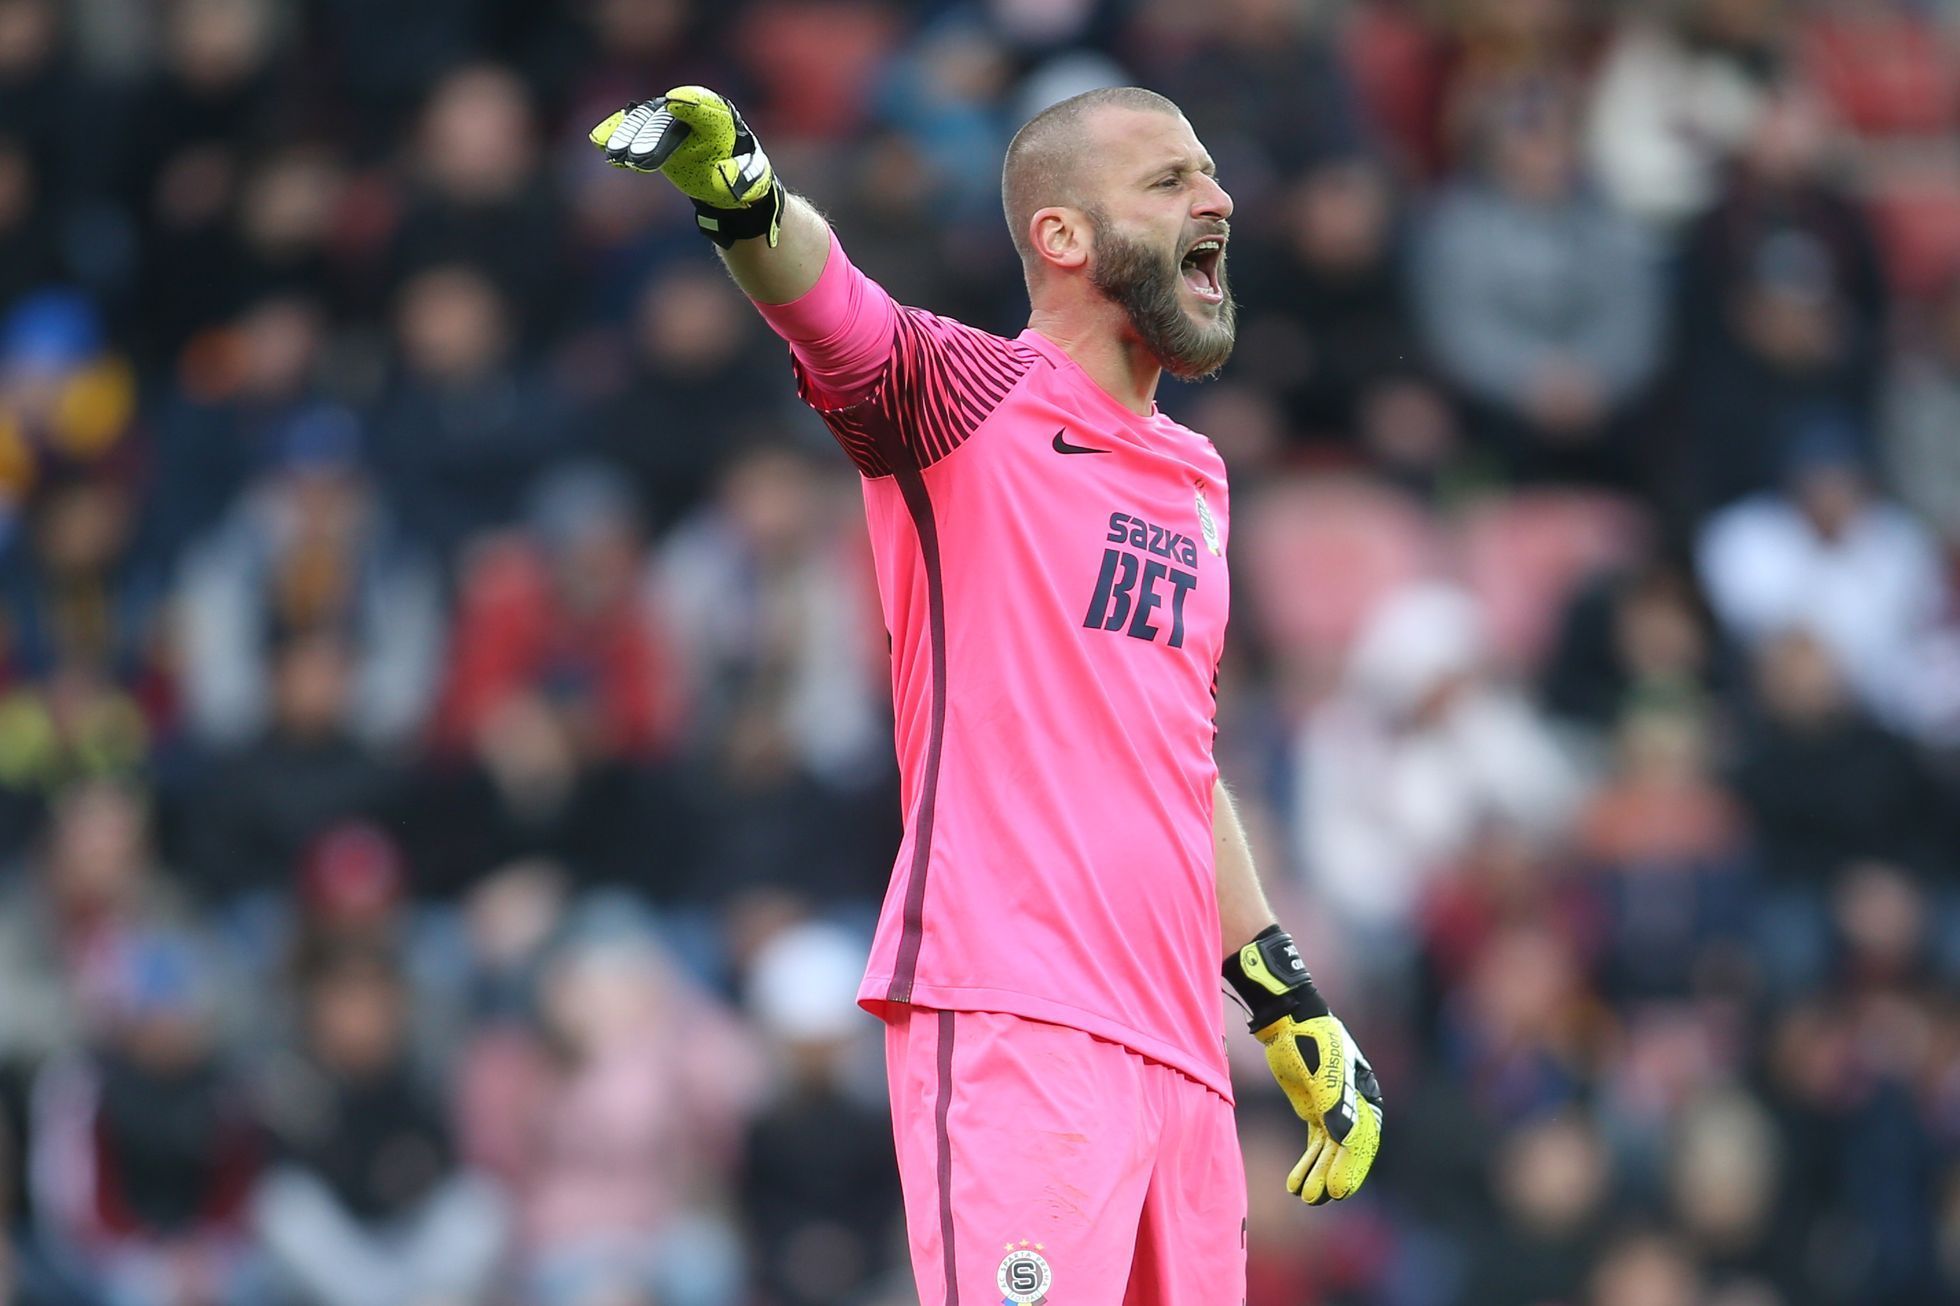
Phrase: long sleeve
x=1503 y=290
x=1617 y=330
x=1484 y=344
x=896 y=386
x=840 y=331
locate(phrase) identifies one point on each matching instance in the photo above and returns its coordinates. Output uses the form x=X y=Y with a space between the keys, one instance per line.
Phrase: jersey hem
x=872 y=997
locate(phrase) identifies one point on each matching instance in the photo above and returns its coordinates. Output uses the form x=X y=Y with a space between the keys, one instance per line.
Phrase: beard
x=1144 y=283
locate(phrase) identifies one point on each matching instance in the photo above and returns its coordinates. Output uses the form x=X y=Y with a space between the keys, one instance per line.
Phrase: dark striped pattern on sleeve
x=943 y=380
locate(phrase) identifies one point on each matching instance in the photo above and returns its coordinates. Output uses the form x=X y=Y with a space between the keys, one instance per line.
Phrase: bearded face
x=1191 y=339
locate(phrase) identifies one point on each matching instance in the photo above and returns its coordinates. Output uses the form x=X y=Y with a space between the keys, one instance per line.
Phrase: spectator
x=1504 y=879
x=1667 y=850
x=944 y=94
x=1828 y=787
x=77 y=594
x=560 y=614
x=530 y=786
x=765 y=823
x=1645 y=1270
x=311 y=550
x=623 y=233
x=65 y=922
x=1781 y=303
x=511 y=921
x=610 y=1126
x=365 y=1205
x=27 y=225
x=1539 y=303
x=1826 y=783
x=466 y=424
x=352 y=883
x=1723 y=1190
x=356 y=891
x=1494 y=51
x=235 y=396
x=1325 y=306
x=1551 y=1180
x=38 y=79
x=479 y=197
x=185 y=156
x=1677 y=92
x=767 y=599
x=290 y=202
x=818 y=1183
x=27 y=1277
x=260 y=805
x=1419 y=748
x=1636 y=638
x=145 y=1144
x=1261 y=81
x=383 y=59
x=1825 y=554
x=1836 y=1097
x=696 y=368
x=67 y=400
x=84 y=689
x=1523 y=1031
x=634 y=44
x=1921 y=411
x=1886 y=934
x=766 y=595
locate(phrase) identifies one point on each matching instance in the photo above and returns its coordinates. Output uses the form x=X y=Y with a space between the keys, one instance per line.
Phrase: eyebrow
x=1186 y=163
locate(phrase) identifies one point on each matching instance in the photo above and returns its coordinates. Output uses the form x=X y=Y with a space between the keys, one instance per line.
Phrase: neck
x=1099 y=341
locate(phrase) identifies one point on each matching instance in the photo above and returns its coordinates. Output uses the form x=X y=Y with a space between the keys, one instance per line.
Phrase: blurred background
x=445 y=776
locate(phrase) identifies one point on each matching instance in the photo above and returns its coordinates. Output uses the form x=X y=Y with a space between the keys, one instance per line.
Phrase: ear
x=1060 y=236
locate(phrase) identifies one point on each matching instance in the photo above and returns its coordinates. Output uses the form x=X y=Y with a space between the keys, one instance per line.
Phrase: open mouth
x=1200 y=269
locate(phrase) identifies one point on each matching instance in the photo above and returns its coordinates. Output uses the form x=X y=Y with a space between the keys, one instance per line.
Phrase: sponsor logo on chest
x=1147 y=572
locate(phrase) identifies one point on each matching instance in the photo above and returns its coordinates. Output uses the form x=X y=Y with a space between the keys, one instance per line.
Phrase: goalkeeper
x=1051 y=563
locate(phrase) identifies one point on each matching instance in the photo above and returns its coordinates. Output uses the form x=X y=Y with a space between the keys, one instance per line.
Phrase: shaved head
x=1114 y=204
x=1044 y=160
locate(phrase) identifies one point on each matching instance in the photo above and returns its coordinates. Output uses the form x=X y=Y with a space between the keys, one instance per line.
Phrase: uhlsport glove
x=698 y=141
x=1329 y=1082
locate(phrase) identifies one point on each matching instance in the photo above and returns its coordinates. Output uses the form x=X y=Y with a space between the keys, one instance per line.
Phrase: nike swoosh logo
x=1063 y=446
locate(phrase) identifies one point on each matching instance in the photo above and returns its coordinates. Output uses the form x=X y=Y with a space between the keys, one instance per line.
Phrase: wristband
x=1272 y=981
x=726 y=226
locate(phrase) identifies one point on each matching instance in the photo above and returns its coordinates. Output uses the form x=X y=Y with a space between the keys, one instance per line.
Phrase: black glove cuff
x=726 y=226
x=1278 y=962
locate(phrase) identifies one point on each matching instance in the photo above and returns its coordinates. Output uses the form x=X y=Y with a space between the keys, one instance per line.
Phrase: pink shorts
x=1043 y=1164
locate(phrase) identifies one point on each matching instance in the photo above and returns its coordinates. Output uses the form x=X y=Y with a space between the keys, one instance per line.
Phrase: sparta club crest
x=1024 y=1275
x=1205 y=522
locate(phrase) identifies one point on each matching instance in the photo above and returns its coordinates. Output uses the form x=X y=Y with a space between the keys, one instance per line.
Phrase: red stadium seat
x=1894 y=79
x=816 y=63
x=1317 y=555
x=1918 y=220
x=1888 y=74
x=1522 y=556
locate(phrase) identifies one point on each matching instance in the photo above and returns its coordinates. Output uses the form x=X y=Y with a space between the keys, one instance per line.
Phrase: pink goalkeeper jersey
x=1052 y=571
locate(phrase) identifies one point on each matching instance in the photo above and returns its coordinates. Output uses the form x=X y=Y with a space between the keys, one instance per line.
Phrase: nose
x=1211 y=199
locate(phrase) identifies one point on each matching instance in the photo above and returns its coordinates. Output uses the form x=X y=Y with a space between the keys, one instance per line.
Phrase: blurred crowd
x=445 y=772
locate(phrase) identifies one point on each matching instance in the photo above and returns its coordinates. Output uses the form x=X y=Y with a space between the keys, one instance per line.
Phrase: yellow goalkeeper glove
x=697 y=140
x=1331 y=1085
